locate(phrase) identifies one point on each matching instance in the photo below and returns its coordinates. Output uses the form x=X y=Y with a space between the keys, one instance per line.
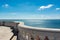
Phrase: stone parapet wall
x=32 y=33
x=3 y=23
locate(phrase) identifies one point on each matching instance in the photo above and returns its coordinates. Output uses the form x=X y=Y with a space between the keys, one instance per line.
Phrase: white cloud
x=45 y=7
x=5 y=5
x=57 y=8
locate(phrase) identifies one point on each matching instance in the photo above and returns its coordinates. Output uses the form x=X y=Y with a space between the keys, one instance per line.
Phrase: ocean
x=41 y=23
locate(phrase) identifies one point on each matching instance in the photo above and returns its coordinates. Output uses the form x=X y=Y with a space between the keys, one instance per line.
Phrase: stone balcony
x=34 y=33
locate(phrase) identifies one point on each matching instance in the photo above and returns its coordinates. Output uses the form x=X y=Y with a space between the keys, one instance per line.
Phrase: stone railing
x=34 y=33
x=8 y=24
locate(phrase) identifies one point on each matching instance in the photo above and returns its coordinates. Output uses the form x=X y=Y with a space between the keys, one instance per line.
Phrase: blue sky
x=29 y=9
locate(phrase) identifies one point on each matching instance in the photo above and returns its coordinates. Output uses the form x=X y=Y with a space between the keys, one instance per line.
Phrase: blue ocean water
x=52 y=23
x=41 y=23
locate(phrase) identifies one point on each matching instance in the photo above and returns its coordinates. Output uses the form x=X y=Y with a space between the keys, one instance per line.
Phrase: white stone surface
x=5 y=33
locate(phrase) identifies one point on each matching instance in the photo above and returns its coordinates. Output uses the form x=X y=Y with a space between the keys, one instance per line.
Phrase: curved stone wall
x=32 y=33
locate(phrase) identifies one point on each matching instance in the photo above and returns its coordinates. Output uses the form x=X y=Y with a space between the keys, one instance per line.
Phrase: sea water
x=41 y=23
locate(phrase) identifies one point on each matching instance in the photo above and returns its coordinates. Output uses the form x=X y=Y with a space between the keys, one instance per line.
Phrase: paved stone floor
x=5 y=33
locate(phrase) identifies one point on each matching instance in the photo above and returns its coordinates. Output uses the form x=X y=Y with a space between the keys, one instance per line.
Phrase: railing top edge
x=37 y=28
